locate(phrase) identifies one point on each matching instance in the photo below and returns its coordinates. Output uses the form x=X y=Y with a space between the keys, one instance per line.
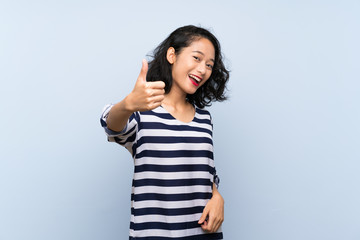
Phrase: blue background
x=286 y=143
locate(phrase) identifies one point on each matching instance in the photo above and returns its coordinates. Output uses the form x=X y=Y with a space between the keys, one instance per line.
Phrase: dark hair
x=160 y=69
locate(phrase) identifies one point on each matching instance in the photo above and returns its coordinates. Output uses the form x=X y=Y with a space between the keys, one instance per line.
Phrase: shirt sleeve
x=127 y=136
x=216 y=178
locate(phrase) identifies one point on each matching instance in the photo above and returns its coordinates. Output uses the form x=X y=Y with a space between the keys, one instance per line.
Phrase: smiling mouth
x=195 y=79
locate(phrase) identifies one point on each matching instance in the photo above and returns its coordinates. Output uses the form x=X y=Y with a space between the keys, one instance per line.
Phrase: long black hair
x=160 y=69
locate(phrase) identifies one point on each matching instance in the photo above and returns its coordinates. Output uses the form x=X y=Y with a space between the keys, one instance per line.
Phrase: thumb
x=143 y=71
x=203 y=216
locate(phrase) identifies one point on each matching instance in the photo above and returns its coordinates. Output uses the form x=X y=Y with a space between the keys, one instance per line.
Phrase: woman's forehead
x=202 y=46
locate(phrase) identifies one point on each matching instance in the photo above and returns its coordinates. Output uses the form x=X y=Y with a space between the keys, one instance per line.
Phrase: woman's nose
x=201 y=68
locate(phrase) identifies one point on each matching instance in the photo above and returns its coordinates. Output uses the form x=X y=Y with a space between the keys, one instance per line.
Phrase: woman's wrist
x=126 y=104
x=118 y=116
x=215 y=191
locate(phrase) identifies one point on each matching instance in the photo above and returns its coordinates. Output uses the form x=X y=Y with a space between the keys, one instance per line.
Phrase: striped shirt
x=173 y=174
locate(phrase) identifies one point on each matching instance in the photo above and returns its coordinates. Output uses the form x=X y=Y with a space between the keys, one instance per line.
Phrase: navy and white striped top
x=173 y=174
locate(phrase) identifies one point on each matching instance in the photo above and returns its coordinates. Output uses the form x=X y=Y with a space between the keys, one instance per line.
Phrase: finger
x=157 y=92
x=153 y=105
x=204 y=226
x=157 y=84
x=210 y=224
x=220 y=222
x=155 y=102
x=158 y=98
x=143 y=71
x=203 y=216
x=217 y=226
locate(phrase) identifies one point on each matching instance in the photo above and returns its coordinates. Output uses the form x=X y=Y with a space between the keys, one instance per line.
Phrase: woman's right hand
x=145 y=95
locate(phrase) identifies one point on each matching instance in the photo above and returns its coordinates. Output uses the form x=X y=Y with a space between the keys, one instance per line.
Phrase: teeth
x=196 y=78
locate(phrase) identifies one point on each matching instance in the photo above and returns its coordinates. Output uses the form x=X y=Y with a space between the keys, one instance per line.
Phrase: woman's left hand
x=213 y=214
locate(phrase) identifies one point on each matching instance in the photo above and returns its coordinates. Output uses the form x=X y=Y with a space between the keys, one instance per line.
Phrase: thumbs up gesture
x=145 y=95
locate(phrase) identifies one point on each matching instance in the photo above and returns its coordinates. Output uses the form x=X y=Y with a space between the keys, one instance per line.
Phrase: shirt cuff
x=103 y=121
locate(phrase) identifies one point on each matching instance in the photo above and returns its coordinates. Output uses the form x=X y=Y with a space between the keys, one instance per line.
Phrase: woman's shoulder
x=202 y=111
x=203 y=115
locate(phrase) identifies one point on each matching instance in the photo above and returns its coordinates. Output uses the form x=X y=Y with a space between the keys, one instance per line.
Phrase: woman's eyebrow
x=200 y=52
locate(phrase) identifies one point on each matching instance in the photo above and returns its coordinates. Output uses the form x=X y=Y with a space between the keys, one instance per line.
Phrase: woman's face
x=192 y=66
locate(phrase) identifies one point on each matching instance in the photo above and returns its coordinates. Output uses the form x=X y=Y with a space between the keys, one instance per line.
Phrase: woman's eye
x=196 y=58
x=210 y=66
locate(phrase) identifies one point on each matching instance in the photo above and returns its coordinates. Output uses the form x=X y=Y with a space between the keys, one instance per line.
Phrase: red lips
x=194 y=82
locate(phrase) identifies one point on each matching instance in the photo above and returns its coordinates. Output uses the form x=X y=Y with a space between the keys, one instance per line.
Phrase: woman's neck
x=178 y=107
x=175 y=99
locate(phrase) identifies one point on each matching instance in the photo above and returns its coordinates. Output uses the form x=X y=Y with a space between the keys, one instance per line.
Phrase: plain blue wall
x=286 y=143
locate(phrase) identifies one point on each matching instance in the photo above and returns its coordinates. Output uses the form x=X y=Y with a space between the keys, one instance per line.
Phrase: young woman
x=164 y=126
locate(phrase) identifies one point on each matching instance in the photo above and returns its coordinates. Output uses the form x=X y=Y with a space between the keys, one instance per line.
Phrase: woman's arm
x=145 y=96
x=213 y=214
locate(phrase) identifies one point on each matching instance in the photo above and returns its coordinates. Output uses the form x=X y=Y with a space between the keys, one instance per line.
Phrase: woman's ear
x=170 y=55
